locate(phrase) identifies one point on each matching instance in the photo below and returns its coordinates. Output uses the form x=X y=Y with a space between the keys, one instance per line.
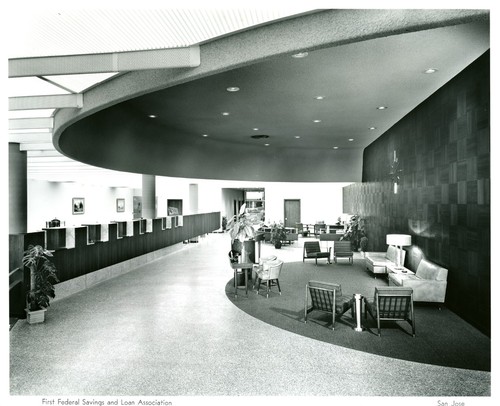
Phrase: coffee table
x=396 y=275
x=403 y=271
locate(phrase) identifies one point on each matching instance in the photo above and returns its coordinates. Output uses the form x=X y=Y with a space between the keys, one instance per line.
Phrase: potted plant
x=224 y=223
x=43 y=275
x=242 y=228
x=355 y=230
x=363 y=244
x=278 y=234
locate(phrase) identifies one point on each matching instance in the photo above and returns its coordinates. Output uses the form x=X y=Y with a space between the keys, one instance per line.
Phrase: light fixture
x=372 y=128
x=381 y=107
x=300 y=55
x=351 y=139
x=319 y=97
x=255 y=129
x=297 y=136
x=335 y=147
x=152 y=116
x=316 y=121
x=225 y=113
x=400 y=241
x=204 y=135
x=233 y=89
x=266 y=145
x=430 y=70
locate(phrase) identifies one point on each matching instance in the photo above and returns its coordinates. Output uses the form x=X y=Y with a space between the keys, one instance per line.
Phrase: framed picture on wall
x=120 y=205
x=78 y=205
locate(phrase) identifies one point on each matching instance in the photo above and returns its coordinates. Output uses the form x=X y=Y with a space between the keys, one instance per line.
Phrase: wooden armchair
x=313 y=250
x=391 y=303
x=343 y=249
x=326 y=297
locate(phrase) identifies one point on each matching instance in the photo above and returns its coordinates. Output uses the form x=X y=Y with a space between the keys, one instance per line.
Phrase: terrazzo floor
x=168 y=329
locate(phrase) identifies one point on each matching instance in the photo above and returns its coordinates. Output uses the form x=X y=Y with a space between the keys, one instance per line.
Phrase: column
x=18 y=190
x=193 y=198
x=148 y=196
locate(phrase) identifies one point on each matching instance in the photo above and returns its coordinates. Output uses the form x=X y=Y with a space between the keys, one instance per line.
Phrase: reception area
x=325 y=131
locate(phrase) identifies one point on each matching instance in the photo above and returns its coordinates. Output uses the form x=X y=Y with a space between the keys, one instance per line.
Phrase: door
x=292 y=212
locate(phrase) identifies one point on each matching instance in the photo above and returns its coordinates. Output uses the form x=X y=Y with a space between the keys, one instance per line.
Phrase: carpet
x=442 y=338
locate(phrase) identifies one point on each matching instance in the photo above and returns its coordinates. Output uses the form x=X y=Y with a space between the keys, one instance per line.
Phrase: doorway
x=292 y=212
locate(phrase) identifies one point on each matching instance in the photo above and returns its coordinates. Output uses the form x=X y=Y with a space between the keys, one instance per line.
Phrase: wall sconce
x=400 y=241
x=395 y=173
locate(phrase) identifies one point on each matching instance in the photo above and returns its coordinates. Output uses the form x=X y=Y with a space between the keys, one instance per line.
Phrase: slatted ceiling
x=70 y=32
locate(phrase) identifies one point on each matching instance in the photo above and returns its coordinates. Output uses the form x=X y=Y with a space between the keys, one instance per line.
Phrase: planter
x=277 y=245
x=35 y=316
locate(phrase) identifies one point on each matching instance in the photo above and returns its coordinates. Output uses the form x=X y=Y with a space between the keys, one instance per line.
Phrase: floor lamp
x=400 y=241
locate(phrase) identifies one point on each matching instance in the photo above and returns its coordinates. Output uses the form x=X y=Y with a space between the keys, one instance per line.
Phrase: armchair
x=263 y=262
x=326 y=297
x=343 y=249
x=313 y=250
x=391 y=303
x=270 y=273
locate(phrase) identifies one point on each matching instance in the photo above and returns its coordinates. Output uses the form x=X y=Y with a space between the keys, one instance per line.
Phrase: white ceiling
x=66 y=31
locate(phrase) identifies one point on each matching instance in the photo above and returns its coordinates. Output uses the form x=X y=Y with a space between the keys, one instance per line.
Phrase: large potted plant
x=278 y=234
x=355 y=231
x=242 y=229
x=43 y=275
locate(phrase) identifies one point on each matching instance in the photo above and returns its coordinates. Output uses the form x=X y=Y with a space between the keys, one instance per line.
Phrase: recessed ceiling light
x=225 y=113
x=152 y=116
x=381 y=107
x=335 y=147
x=316 y=121
x=204 y=135
x=267 y=145
x=430 y=70
x=255 y=129
x=297 y=136
x=351 y=139
x=233 y=89
x=319 y=97
x=372 y=128
x=300 y=55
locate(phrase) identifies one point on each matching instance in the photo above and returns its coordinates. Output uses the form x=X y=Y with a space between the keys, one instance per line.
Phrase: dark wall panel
x=443 y=201
x=84 y=258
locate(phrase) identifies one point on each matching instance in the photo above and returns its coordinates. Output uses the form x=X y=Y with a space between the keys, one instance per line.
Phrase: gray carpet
x=442 y=338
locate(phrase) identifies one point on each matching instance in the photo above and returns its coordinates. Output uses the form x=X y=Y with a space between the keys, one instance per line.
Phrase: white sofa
x=376 y=262
x=428 y=284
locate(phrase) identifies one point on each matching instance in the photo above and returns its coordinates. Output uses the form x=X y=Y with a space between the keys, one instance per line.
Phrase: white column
x=193 y=198
x=148 y=196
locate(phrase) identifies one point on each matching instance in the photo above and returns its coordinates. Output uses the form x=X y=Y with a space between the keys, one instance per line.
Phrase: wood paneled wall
x=443 y=201
x=86 y=258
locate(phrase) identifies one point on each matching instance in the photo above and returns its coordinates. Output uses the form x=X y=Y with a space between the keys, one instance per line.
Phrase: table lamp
x=400 y=241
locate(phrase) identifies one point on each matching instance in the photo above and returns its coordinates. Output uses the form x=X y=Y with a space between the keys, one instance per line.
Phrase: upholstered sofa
x=376 y=262
x=429 y=282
